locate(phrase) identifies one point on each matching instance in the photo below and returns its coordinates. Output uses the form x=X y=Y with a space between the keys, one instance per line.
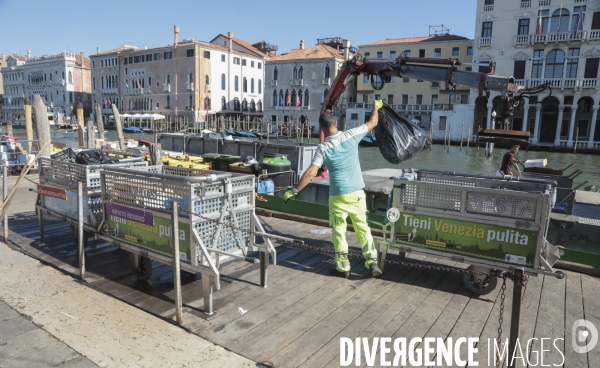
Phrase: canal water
x=452 y=159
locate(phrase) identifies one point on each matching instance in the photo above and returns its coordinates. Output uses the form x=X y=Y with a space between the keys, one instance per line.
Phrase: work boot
x=342 y=274
x=375 y=270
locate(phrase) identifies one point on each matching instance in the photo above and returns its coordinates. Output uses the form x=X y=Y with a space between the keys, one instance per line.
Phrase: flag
x=539 y=25
x=580 y=19
x=288 y=101
x=138 y=83
x=297 y=100
x=280 y=100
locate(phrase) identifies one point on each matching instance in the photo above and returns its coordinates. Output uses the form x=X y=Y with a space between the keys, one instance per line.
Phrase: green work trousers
x=353 y=205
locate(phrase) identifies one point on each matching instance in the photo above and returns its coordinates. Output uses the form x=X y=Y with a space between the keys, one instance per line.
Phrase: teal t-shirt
x=339 y=152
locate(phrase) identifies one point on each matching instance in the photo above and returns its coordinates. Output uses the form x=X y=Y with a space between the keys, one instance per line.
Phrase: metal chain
x=518 y=279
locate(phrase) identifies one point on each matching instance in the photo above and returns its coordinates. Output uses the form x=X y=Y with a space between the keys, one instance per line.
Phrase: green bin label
x=491 y=242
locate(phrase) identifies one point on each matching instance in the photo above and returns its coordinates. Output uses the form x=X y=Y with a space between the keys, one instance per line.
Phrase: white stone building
x=563 y=51
x=299 y=79
x=13 y=79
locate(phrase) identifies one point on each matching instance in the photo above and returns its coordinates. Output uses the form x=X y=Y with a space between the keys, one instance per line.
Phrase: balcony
x=134 y=91
x=488 y=8
x=544 y=3
x=274 y=83
x=326 y=81
x=569 y=36
x=594 y=34
x=580 y=1
x=167 y=87
x=522 y=40
x=520 y=82
x=297 y=82
x=486 y=41
x=588 y=83
x=525 y=4
x=189 y=86
x=561 y=83
x=208 y=89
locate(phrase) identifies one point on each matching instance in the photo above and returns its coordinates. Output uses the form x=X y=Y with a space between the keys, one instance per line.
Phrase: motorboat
x=133 y=129
x=74 y=132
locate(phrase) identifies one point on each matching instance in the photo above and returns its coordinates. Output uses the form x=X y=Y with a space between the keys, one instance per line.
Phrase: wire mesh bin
x=491 y=223
x=64 y=176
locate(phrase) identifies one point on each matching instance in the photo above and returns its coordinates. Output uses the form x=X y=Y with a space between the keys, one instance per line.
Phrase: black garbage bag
x=67 y=155
x=398 y=138
x=94 y=157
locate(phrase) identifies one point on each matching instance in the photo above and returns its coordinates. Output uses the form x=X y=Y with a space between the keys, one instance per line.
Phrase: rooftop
x=313 y=52
x=395 y=41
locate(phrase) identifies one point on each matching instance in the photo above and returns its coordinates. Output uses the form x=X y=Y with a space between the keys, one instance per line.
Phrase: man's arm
x=374 y=120
x=307 y=177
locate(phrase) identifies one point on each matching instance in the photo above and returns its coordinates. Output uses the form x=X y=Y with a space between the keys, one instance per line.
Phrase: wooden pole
x=28 y=123
x=80 y=232
x=462 y=134
x=9 y=127
x=431 y=135
x=99 y=122
x=576 y=139
x=80 y=125
x=41 y=125
x=119 y=127
x=468 y=138
x=155 y=151
x=91 y=135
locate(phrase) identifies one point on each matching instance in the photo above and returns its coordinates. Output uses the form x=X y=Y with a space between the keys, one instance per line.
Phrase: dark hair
x=516 y=146
x=326 y=120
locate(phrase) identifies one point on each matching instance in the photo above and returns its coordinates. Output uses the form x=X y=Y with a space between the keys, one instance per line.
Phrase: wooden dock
x=299 y=318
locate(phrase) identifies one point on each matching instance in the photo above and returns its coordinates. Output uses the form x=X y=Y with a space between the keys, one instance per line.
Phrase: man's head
x=515 y=148
x=326 y=121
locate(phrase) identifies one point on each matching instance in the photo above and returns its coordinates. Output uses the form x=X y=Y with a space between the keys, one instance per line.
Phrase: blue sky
x=53 y=26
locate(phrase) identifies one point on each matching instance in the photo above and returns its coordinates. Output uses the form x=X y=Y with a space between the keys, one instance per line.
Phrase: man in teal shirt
x=339 y=152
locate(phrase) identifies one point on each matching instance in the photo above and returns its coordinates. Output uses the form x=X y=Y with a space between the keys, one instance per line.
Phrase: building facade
x=425 y=101
x=186 y=81
x=298 y=80
x=63 y=80
x=544 y=42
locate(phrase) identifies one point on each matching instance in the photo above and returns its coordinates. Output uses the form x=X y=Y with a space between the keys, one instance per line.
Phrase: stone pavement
x=50 y=319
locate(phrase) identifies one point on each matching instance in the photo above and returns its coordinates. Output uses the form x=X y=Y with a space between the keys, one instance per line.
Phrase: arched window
x=280 y=97
x=223 y=103
x=252 y=106
x=293 y=97
x=70 y=77
x=236 y=104
x=244 y=105
x=63 y=76
x=274 y=99
x=300 y=97
x=306 y=97
x=191 y=78
x=102 y=80
x=559 y=21
x=287 y=100
x=251 y=85
x=259 y=86
x=327 y=70
x=149 y=81
x=207 y=103
x=259 y=106
x=295 y=73
x=223 y=81
x=50 y=77
x=237 y=83
x=245 y=85
x=301 y=73
x=168 y=102
x=206 y=80
x=168 y=80
x=275 y=73
x=555 y=62
x=190 y=105
x=325 y=93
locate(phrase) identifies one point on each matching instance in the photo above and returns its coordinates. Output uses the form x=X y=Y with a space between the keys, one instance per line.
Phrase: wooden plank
x=550 y=322
x=591 y=307
x=267 y=338
x=503 y=133
x=574 y=310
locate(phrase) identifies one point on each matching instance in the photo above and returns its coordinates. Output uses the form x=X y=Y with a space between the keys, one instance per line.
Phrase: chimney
x=230 y=35
x=97 y=50
x=301 y=44
x=176 y=30
x=346 y=49
x=28 y=54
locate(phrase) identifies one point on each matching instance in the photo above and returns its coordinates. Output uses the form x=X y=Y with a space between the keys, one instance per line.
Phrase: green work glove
x=290 y=193
x=378 y=104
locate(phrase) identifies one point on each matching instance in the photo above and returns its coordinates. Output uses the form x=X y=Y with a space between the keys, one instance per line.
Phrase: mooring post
x=176 y=268
x=119 y=127
x=91 y=141
x=4 y=197
x=99 y=122
x=515 y=317
x=28 y=124
x=42 y=126
x=80 y=230
x=9 y=127
x=155 y=151
x=264 y=268
x=80 y=125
